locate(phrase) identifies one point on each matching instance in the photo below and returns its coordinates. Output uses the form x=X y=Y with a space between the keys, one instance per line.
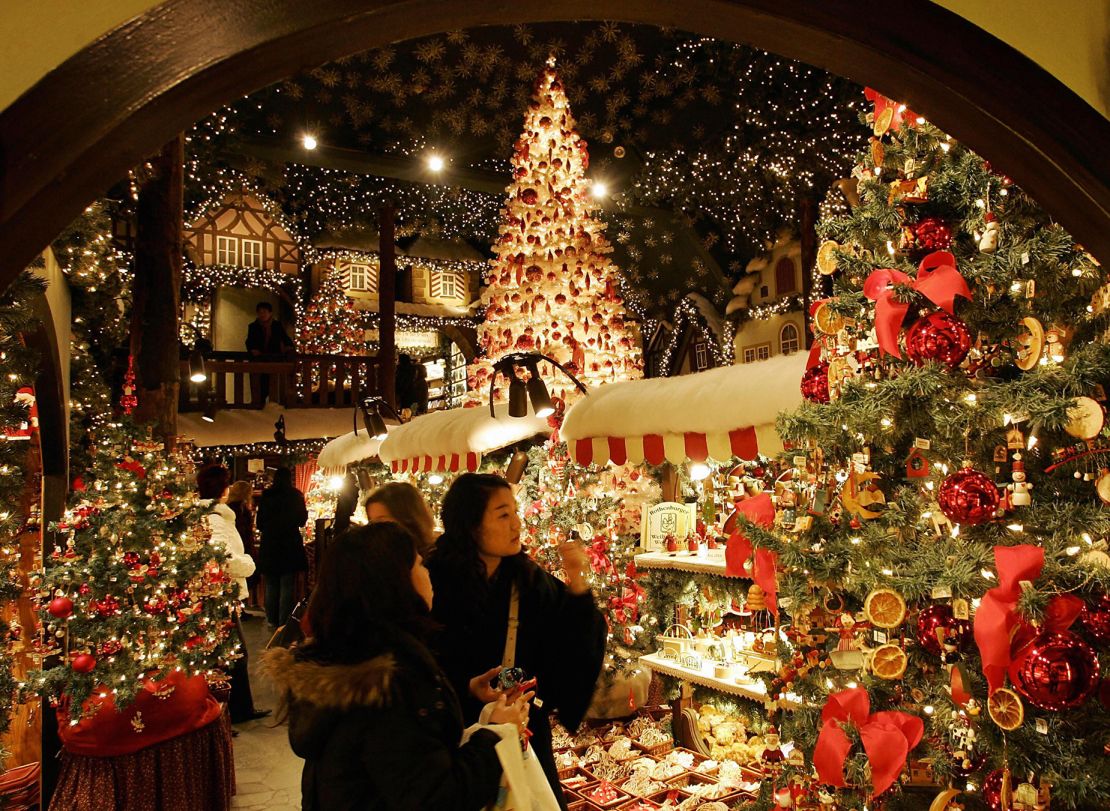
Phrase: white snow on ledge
x=461 y=431
x=347 y=449
x=711 y=402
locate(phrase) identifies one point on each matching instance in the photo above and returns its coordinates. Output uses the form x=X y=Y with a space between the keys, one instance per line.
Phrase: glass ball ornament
x=933 y=234
x=938 y=336
x=968 y=497
x=1095 y=618
x=815 y=383
x=60 y=607
x=1058 y=671
x=936 y=617
x=83 y=663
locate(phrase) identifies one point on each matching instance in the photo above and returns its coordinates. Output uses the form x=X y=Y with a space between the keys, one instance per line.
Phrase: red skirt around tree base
x=192 y=772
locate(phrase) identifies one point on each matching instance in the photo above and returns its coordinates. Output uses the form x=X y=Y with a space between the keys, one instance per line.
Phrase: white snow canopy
x=455 y=440
x=717 y=414
x=347 y=449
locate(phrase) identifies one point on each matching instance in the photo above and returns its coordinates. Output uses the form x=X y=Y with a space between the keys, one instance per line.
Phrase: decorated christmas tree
x=133 y=589
x=331 y=325
x=945 y=602
x=552 y=287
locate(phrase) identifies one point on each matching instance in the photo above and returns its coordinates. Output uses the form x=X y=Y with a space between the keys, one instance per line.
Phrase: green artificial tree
x=331 y=325
x=133 y=588
x=952 y=439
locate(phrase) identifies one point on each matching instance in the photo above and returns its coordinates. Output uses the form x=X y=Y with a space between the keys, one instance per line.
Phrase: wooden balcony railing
x=237 y=380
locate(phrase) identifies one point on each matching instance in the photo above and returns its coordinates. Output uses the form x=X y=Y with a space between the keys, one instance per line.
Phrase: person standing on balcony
x=281 y=514
x=265 y=336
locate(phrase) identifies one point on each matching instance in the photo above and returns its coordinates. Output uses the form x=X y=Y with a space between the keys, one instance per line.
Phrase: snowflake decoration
x=667 y=237
x=430 y=51
x=666 y=258
x=609 y=31
x=523 y=34
x=649 y=241
x=456 y=37
x=623 y=237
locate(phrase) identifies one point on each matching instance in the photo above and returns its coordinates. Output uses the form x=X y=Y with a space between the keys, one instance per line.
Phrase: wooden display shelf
x=752 y=690
x=707 y=561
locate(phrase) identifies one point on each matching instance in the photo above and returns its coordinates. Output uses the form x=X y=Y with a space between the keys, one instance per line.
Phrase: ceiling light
x=538 y=394
x=699 y=471
x=599 y=190
x=209 y=414
x=435 y=163
x=518 y=398
x=309 y=141
x=197 y=373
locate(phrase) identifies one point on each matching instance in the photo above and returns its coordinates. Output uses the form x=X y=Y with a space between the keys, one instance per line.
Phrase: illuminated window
x=252 y=253
x=227 y=251
x=447 y=284
x=359 y=277
x=757 y=352
x=785 y=281
x=788 y=339
x=701 y=356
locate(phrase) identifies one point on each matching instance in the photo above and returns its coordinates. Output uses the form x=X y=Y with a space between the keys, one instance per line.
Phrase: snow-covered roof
x=707 y=311
x=241 y=426
x=680 y=416
x=347 y=449
x=456 y=439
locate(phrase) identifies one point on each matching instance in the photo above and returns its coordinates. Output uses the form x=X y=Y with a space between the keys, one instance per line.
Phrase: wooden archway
x=103 y=110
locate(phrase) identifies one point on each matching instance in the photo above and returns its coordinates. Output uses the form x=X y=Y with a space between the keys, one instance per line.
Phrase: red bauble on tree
x=938 y=336
x=815 y=383
x=968 y=497
x=83 y=663
x=60 y=607
x=1095 y=618
x=933 y=234
x=940 y=617
x=1058 y=671
x=992 y=790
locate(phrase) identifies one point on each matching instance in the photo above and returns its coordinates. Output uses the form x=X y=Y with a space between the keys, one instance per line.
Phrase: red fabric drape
x=302 y=474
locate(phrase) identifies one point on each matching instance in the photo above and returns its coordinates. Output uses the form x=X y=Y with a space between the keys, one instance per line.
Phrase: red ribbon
x=937 y=280
x=997 y=617
x=760 y=511
x=888 y=738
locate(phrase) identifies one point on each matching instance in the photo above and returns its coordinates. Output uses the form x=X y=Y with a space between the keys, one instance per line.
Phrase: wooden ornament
x=1085 y=419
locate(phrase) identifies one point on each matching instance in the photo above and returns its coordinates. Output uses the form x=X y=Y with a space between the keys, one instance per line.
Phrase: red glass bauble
x=60 y=607
x=815 y=383
x=1095 y=618
x=930 y=620
x=83 y=663
x=1058 y=671
x=992 y=790
x=529 y=197
x=968 y=497
x=933 y=234
x=938 y=336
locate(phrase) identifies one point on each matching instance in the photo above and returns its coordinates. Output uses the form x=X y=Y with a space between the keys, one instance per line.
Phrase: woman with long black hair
x=369 y=710
x=559 y=634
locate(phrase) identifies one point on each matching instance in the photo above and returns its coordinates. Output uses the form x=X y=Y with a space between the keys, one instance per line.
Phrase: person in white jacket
x=213 y=482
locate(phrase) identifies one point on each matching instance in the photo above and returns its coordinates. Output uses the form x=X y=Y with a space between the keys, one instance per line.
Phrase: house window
x=788 y=339
x=447 y=284
x=785 y=281
x=252 y=253
x=701 y=356
x=757 y=352
x=227 y=251
x=359 y=277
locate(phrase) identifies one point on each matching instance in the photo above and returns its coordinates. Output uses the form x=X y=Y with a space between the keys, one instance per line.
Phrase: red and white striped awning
x=717 y=414
x=454 y=441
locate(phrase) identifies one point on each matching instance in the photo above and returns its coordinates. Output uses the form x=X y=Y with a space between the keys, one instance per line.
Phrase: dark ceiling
x=718 y=141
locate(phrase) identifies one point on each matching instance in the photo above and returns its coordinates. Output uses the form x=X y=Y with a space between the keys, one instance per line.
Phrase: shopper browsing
x=559 y=639
x=402 y=503
x=369 y=710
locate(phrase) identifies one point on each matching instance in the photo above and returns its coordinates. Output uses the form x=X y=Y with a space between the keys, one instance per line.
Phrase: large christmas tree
x=134 y=588
x=947 y=601
x=331 y=324
x=552 y=287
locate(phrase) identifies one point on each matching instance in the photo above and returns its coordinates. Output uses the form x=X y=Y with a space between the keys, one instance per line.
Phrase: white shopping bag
x=524 y=785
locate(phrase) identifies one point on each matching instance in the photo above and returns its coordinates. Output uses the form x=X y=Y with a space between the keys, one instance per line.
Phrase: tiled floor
x=267 y=773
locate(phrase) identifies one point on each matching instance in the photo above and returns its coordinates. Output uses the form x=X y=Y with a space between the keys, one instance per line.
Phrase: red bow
x=760 y=511
x=888 y=738
x=997 y=616
x=937 y=280
x=599 y=561
x=899 y=112
x=626 y=607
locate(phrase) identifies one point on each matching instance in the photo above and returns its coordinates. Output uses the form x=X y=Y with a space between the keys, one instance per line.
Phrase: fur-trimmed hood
x=338 y=687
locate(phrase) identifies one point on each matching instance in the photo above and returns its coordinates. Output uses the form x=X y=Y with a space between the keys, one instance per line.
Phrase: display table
x=706 y=561
x=754 y=690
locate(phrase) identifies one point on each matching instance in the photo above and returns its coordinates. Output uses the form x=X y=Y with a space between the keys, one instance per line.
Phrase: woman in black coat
x=374 y=718
x=561 y=634
x=281 y=514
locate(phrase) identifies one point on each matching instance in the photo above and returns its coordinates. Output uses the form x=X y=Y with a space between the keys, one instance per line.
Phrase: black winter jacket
x=560 y=641
x=383 y=734
x=281 y=514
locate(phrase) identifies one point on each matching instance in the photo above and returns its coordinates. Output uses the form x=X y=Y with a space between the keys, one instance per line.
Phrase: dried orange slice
x=826 y=257
x=883 y=121
x=885 y=608
x=1006 y=709
x=828 y=320
x=888 y=662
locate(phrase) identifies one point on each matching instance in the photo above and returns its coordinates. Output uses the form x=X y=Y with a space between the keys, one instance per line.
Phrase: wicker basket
x=656 y=749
